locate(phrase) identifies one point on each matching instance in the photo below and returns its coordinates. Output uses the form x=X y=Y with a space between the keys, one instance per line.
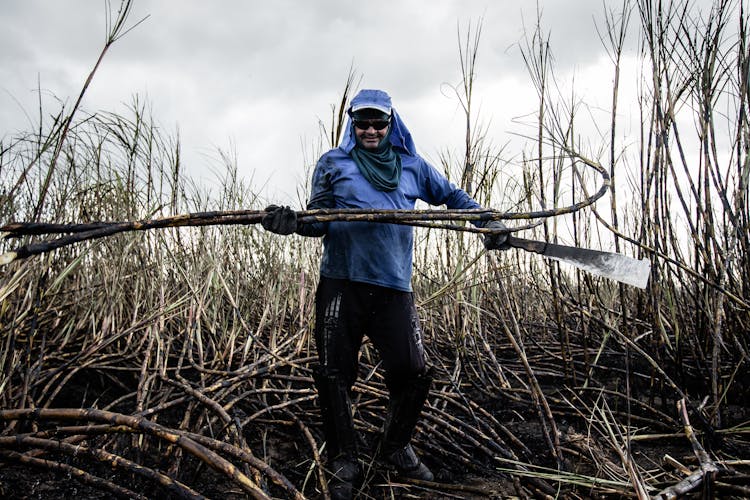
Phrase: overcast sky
x=256 y=76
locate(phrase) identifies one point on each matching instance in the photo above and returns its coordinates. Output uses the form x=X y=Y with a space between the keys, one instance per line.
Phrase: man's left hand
x=496 y=241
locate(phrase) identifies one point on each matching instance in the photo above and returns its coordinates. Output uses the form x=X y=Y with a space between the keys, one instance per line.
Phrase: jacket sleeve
x=321 y=196
x=438 y=190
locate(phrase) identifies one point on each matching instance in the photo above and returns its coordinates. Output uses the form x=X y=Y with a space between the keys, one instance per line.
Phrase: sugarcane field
x=579 y=306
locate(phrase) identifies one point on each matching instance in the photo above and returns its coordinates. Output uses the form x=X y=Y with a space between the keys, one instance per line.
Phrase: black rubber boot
x=404 y=409
x=341 y=438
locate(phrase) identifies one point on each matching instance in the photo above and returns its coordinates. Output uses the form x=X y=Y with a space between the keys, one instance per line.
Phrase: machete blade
x=610 y=265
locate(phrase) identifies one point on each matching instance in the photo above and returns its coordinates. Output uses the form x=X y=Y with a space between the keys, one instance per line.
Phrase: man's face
x=370 y=127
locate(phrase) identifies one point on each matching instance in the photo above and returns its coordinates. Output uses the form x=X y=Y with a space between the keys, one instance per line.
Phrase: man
x=365 y=281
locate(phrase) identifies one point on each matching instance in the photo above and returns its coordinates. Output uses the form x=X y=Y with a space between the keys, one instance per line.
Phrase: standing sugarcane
x=362 y=203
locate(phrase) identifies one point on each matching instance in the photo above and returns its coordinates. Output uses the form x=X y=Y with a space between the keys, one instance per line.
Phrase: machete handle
x=528 y=245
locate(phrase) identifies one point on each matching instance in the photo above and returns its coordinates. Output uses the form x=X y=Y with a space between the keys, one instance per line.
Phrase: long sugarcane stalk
x=78 y=232
x=17 y=229
x=96 y=230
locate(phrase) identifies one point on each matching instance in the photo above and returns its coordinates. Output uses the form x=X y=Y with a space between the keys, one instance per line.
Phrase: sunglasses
x=376 y=124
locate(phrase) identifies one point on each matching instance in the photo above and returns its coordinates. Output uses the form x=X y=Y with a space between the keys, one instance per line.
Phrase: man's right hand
x=279 y=220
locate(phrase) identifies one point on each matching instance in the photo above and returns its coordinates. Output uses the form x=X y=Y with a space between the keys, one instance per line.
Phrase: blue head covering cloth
x=399 y=135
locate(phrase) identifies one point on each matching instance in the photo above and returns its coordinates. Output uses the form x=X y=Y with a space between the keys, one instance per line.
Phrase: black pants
x=346 y=311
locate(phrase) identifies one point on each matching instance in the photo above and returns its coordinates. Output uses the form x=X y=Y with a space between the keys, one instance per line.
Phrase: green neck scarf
x=380 y=166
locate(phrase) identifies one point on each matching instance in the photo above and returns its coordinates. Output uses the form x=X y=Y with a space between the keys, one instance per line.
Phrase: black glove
x=279 y=220
x=496 y=241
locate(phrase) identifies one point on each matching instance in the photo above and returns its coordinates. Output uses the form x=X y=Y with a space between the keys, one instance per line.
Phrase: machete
x=609 y=265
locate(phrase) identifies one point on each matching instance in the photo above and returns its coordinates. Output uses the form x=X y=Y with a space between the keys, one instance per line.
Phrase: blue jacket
x=375 y=253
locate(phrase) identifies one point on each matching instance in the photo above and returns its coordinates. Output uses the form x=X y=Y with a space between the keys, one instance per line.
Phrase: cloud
x=257 y=76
